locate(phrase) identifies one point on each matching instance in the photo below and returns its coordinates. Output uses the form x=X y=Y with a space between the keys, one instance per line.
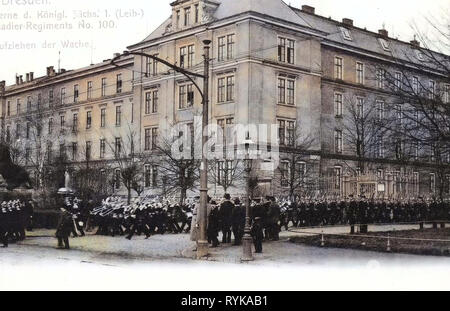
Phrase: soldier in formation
x=362 y=211
x=14 y=218
x=150 y=216
x=146 y=216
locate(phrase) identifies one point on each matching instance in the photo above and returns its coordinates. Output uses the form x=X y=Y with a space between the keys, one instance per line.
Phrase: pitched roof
x=160 y=31
x=366 y=40
x=273 y=8
x=226 y=8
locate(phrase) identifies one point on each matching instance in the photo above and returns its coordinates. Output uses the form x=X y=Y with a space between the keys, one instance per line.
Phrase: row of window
x=89 y=119
x=339 y=70
x=186 y=95
x=380 y=110
x=397 y=185
x=286 y=170
x=187 y=55
x=75 y=152
x=399 y=146
x=63 y=96
x=63 y=124
x=396 y=82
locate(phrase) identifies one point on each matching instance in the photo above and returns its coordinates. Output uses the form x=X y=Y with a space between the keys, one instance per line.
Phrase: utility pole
x=202 y=243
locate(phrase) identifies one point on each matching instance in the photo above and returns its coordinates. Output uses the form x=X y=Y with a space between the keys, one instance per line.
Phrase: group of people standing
x=229 y=216
x=15 y=219
x=269 y=215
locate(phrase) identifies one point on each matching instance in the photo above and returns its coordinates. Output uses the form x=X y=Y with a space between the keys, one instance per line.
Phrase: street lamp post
x=247 y=240
x=202 y=244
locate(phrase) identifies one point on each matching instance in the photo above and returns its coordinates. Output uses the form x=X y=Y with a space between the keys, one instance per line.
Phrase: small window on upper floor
x=286 y=50
x=385 y=44
x=346 y=33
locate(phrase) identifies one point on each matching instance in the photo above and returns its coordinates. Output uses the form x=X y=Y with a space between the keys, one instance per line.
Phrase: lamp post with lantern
x=247 y=240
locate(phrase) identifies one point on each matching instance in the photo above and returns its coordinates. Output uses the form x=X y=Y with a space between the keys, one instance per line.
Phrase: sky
x=91 y=31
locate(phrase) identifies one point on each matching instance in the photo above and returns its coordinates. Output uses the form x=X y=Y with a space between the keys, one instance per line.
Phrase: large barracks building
x=270 y=64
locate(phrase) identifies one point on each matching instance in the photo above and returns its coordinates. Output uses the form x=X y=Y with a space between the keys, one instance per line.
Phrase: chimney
x=415 y=43
x=51 y=71
x=347 y=21
x=308 y=9
x=17 y=80
x=63 y=70
x=31 y=76
x=20 y=79
x=2 y=86
x=27 y=77
x=383 y=32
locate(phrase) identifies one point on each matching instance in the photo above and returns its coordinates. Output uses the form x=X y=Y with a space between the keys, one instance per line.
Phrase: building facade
x=270 y=64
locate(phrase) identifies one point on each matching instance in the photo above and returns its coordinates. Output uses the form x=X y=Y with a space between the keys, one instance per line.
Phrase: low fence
x=386 y=241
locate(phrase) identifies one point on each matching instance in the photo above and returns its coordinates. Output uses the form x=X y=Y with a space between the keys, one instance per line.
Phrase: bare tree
x=365 y=126
x=180 y=174
x=90 y=177
x=127 y=160
x=226 y=173
x=420 y=83
x=295 y=174
x=38 y=134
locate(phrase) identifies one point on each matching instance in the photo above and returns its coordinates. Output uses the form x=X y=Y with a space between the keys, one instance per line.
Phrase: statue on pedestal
x=13 y=175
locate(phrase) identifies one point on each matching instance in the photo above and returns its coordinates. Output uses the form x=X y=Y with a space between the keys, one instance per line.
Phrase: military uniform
x=238 y=222
x=4 y=215
x=225 y=212
x=65 y=225
x=213 y=225
x=257 y=235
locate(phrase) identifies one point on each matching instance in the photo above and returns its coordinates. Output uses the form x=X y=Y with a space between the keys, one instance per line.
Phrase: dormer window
x=187 y=16
x=346 y=34
x=178 y=19
x=197 y=14
x=385 y=44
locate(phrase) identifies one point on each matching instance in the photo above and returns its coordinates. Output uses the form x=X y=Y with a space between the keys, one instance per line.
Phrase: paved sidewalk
x=156 y=247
